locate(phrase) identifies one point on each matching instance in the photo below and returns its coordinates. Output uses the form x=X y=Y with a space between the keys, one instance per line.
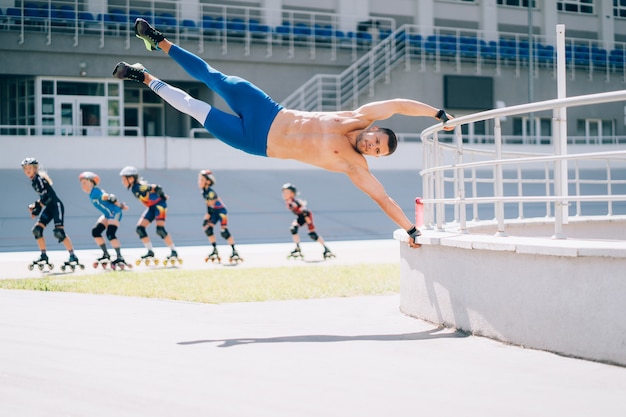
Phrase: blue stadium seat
x=302 y=31
x=257 y=29
x=488 y=51
x=545 y=54
x=165 y=22
x=599 y=57
x=582 y=55
x=236 y=27
x=616 y=59
x=447 y=45
x=323 y=33
x=414 y=39
x=431 y=44
x=507 y=49
x=468 y=46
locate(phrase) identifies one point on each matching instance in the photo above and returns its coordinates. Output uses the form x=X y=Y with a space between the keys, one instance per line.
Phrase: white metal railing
x=449 y=180
x=226 y=25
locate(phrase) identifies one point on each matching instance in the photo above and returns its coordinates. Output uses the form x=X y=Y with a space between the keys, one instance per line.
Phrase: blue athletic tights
x=255 y=110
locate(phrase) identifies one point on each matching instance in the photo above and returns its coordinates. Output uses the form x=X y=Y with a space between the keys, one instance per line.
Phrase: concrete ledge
x=559 y=295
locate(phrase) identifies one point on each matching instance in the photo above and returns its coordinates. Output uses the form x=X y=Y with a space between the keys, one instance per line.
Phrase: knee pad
x=111 y=230
x=225 y=233
x=294 y=229
x=160 y=230
x=141 y=231
x=313 y=235
x=209 y=231
x=37 y=231
x=97 y=230
x=59 y=234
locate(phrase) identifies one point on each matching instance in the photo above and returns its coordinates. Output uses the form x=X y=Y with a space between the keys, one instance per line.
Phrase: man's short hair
x=393 y=139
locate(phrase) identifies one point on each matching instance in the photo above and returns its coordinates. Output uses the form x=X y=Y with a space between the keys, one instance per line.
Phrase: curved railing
x=459 y=181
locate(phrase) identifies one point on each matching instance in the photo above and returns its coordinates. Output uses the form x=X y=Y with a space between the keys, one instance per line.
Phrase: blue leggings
x=255 y=110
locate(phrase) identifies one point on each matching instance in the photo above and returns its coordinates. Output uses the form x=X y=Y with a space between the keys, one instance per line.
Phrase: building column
x=424 y=16
x=272 y=12
x=489 y=19
x=606 y=24
x=549 y=20
x=351 y=12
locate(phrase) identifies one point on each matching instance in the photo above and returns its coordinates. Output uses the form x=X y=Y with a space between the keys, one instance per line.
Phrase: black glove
x=159 y=191
x=414 y=233
x=35 y=208
x=442 y=115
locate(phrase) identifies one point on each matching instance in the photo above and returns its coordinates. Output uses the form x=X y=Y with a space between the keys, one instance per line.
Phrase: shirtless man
x=335 y=141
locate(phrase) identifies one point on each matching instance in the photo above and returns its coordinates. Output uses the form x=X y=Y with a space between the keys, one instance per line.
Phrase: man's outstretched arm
x=381 y=110
x=367 y=183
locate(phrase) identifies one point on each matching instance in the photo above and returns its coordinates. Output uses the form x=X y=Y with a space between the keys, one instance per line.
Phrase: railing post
x=439 y=184
x=498 y=185
x=460 y=180
x=560 y=139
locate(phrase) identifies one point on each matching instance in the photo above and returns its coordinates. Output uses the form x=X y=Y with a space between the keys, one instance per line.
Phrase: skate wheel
x=82 y=267
x=63 y=268
x=137 y=262
x=40 y=266
x=50 y=266
x=122 y=266
x=113 y=267
x=31 y=267
x=95 y=264
x=180 y=261
x=156 y=261
x=147 y=262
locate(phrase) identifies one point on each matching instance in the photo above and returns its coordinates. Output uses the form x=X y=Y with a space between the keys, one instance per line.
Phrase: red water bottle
x=419 y=212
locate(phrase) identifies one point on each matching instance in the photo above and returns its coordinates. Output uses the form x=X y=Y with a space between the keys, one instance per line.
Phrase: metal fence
x=463 y=179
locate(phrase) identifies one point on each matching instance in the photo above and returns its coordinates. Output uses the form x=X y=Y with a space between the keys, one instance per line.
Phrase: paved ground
x=89 y=355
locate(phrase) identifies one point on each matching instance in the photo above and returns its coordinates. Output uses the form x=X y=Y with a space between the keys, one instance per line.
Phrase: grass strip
x=227 y=285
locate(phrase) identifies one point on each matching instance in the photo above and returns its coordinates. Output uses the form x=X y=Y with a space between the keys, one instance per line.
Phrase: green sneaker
x=124 y=71
x=149 y=35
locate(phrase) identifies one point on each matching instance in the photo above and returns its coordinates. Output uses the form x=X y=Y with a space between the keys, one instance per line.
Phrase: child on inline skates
x=111 y=210
x=153 y=197
x=216 y=213
x=303 y=216
x=49 y=208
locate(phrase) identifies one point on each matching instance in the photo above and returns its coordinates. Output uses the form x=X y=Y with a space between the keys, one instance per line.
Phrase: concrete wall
x=67 y=152
x=563 y=296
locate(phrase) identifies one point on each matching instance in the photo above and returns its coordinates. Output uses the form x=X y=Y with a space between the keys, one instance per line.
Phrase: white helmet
x=91 y=176
x=208 y=174
x=129 y=171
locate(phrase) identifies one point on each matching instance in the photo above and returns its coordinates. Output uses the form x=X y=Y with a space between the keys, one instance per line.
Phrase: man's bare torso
x=323 y=139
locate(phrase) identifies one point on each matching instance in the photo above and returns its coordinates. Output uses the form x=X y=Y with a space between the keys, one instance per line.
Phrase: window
x=518 y=3
x=619 y=8
x=542 y=127
x=594 y=131
x=575 y=6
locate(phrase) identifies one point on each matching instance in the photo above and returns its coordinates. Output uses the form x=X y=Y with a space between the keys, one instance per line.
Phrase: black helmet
x=208 y=174
x=29 y=161
x=289 y=186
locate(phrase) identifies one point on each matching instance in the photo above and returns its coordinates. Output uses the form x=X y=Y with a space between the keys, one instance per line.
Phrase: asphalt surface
x=92 y=355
